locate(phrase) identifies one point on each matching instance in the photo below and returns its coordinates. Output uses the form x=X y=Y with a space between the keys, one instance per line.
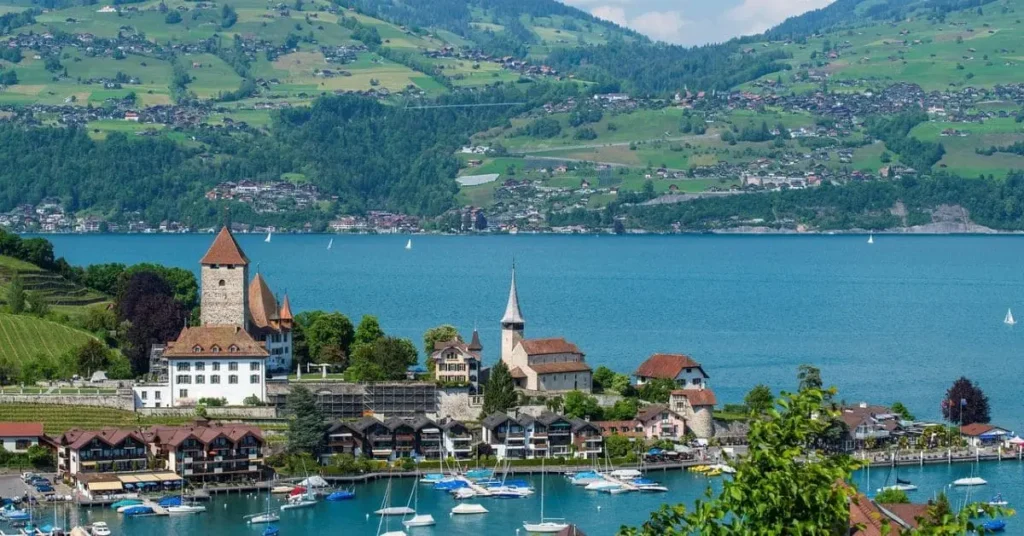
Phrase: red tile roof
x=21 y=429
x=175 y=435
x=697 y=397
x=667 y=366
x=557 y=368
x=77 y=439
x=865 y=518
x=549 y=346
x=653 y=411
x=624 y=428
x=908 y=513
x=286 y=310
x=517 y=373
x=225 y=250
x=201 y=341
x=262 y=304
x=976 y=429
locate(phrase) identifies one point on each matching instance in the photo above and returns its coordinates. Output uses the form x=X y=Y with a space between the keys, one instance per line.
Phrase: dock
x=157 y=509
x=477 y=488
x=624 y=483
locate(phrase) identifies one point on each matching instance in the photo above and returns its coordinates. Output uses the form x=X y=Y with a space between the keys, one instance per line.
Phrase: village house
x=660 y=422
x=394 y=438
x=17 y=437
x=682 y=369
x=458 y=440
x=209 y=452
x=868 y=425
x=631 y=428
x=547 y=435
x=696 y=406
x=981 y=435
x=110 y=450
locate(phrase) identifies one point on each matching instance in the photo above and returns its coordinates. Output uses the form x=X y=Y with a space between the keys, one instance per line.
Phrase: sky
x=696 y=22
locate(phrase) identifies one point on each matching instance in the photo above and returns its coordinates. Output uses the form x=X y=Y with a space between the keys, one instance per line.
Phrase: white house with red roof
x=19 y=436
x=682 y=369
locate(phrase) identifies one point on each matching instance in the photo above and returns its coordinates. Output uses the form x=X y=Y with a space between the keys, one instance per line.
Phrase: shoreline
x=739 y=231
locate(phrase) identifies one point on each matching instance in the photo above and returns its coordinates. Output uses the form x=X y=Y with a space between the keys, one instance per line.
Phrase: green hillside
x=57 y=290
x=24 y=337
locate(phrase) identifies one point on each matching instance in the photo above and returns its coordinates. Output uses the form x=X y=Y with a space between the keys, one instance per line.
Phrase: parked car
x=40 y=481
x=28 y=476
x=44 y=488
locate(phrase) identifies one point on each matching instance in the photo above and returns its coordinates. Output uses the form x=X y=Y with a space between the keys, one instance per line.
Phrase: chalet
x=505 y=435
x=868 y=424
x=17 y=437
x=343 y=438
x=660 y=422
x=110 y=450
x=458 y=440
x=980 y=435
x=209 y=452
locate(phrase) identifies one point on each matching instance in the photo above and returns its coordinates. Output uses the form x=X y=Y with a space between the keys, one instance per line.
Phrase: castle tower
x=512 y=324
x=224 y=278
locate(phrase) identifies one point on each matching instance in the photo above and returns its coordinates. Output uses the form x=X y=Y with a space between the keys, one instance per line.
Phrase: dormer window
x=196 y=349
x=233 y=348
x=215 y=349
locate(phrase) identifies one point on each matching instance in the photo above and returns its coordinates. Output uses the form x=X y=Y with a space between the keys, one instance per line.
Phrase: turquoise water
x=898 y=320
x=598 y=514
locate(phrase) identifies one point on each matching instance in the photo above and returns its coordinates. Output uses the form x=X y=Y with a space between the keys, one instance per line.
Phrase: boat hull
x=545 y=528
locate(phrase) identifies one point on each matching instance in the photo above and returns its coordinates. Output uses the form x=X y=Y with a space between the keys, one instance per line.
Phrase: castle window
x=200 y=365
x=214 y=378
x=216 y=366
x=233 y=366
x=196 y=349
x=232 y=379
x=220 y=283
x=215 y=349
x=232 y=348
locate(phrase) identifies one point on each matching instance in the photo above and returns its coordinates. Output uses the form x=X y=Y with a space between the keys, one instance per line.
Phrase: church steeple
x=512 y=323
x=512 y=313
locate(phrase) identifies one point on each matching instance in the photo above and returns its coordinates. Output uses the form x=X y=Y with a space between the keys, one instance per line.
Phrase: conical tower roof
x=225 y=250
x=512 y=313
x=475 y=345
x=286 y=309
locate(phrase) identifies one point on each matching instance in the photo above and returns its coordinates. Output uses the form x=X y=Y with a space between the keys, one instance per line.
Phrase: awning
x=105 y=486
x=168 y=476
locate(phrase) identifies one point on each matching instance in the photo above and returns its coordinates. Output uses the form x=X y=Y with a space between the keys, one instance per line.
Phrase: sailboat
x=545 y=526
x=330 y=243
x=1009 y=321
x=408 y=245
x=901 y=485
x=266 y=517
x=267 y=239
x=417 y=520
x=182 y=507
x=385 y=522
x=386 y=510
x=871 y=238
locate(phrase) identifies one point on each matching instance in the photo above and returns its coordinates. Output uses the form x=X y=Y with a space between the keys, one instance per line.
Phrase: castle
x=243 y=336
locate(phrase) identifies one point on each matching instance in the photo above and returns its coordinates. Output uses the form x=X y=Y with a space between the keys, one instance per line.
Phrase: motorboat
x=994 y=525
x=970 y=481
x=125 y=502
x=505 y=492
x=341 y=495
x=99 y=528
x=477 y=474
x=651 y=488
x=126 y=507
x=271 y=530
x=464 y=493
x=450 y=485
x=998 y=500
x=616 y=491
x=900 y=487
x=134 y=511
x=281 y=489
x=186 y=509
x=466 y=509
x=433 y=478
x=722 y=468
x=585 y=478
x=626 y=474
x=600 y=485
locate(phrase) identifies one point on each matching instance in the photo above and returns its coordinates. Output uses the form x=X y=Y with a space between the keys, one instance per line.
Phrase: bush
x=213 y=402
x=173 y=17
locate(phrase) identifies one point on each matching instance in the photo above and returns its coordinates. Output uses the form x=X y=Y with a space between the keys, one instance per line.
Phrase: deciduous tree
x=16 y=294
x=759 y=399
x=657 y=390
x=965 y=403
x=442 y=333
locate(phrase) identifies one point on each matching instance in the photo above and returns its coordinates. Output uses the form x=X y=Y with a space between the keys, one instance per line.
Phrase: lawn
x=98 y=130
x=23 y=337
x=210 y=75
x=296 y=71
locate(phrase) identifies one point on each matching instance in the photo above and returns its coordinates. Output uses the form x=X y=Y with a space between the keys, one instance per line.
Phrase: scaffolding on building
x=340 y=400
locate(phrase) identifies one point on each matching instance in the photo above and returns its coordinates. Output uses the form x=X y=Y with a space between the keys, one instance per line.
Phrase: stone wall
x=227 y=412
x=109 y=401
x=702 y=423
x=227 y=303
x=455 y=403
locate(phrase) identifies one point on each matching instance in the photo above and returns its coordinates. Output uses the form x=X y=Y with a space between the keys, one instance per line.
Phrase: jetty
x=477 y=488
x=625 y=484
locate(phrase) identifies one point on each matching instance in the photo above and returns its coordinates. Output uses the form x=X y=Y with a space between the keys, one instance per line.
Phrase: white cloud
x=611 y=14
x=660 y=25
x=759 y=15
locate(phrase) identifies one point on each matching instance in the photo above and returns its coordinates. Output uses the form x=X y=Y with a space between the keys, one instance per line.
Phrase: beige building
x=695 y=405
x=456 y=362
x=553 y=364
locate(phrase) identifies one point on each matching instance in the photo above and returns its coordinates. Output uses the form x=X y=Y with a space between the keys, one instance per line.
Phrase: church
x=541 y=365
x=244 y=335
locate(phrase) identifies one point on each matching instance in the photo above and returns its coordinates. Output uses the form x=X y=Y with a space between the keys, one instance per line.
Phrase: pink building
x=660 y=422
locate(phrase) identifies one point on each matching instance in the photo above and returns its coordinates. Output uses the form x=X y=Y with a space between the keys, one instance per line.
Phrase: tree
x=36 y=303
x=965 y=403
x=617 y=446
x=387 y=358
x=172 y=18
x=152 y=314
x=901 y=410
x=554 y=404
x=581 y=405
x=603 y=378
x=333 y=355
x=91 y=356
x=500 y=393
x=759 y=399
x=622 y=410
x=892 y=496
x=432 y=336
x=622 y=385
x=809 y=377
x=306 y=429
x=328 y=329
x=228 y=16
x=368 y=330
x=657 y=390
x=16 y=294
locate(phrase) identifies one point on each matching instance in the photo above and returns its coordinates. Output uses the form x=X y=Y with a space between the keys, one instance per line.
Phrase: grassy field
x=57 y=419
x=296 y=73
x=23 y=337
x=98 y=130
x=961 y=156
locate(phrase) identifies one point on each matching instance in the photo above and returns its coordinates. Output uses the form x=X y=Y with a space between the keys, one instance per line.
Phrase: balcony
x=405 y=437
x=111 y=457
x=593 y=439
x=862 y=435
x=461 y=438
x=538 y=447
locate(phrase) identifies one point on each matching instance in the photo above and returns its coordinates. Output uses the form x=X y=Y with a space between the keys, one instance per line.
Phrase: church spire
x=512 y=313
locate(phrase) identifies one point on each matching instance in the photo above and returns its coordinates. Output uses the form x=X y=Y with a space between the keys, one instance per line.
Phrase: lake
x=896 y=320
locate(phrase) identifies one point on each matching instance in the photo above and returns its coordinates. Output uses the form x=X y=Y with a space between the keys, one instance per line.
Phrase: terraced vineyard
x=56 y=289
x=24 y=337
x=57 y=419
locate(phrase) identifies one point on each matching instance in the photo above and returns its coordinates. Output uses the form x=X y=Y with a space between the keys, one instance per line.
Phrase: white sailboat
x=186 y=508
x=266 y=517
x=330 y=243
x=408 y=245
x=384 y=525
x=871 y=238
x=267 y=239
x=466 y=509
x=417 y=520
x=1009 y=321
x=545 y=526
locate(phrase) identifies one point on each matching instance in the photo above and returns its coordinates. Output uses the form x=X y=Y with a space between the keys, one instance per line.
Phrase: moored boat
x=467 y=509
